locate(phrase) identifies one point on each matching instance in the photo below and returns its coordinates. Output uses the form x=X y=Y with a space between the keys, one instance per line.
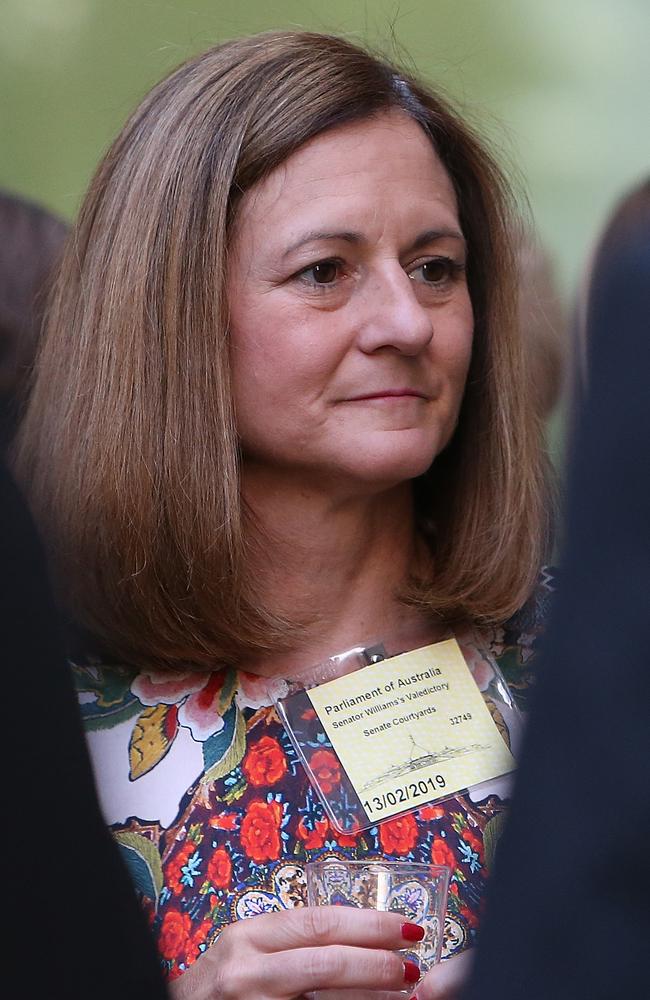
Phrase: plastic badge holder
x=327 y=774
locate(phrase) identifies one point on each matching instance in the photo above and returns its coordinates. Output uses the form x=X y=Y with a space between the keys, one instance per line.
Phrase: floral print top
x=215 y=816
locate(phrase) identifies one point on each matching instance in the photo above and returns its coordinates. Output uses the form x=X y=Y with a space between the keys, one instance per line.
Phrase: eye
x=437 y=272
x=322 y=273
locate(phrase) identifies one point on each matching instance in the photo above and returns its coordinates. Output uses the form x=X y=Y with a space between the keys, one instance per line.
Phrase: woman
x=280 y=409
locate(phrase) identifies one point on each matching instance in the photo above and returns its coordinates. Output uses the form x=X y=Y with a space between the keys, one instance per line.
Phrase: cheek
x=277 y=379
x=282 y=352
x=454 y=355
x=464 y=325
x=464 y=358
x=274 y=374
x=257 y=354
x=456 y=348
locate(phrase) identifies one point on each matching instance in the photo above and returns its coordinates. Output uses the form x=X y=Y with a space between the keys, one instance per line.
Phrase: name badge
x=396 y=735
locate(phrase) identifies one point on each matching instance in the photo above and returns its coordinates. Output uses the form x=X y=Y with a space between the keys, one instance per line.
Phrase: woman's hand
x=281 y=956
x=446 y=980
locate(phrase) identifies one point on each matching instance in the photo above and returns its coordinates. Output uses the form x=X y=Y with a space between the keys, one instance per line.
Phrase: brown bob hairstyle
x=129 y=448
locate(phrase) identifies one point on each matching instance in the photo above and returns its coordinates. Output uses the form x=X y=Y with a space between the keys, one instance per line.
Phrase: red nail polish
x=412 y=932
x=411 y=972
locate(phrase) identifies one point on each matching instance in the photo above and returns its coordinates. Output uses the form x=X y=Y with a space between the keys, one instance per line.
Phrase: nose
x=392 y=315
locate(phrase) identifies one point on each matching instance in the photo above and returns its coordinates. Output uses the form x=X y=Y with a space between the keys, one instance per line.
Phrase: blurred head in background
x=31 y=243
x=543 y=321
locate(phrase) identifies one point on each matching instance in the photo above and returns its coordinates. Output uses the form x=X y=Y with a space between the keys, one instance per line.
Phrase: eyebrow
x=316 y=235
x=431 y=235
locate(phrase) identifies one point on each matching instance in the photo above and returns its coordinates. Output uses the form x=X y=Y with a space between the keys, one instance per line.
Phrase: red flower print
x=312 y=840
x=174 y=873
x=327 y=769
x=201 y=713
x=442 y=854
x=208 y=695
x=149 y=910
x=470 y=917
x=398 y=836
x=199 y=937
x=175 y=935
x=431 y=812
x=219 y=869
x=346 y=839
x=260 y=830
x=472 y=838
x=265 y=763
x=224 y=821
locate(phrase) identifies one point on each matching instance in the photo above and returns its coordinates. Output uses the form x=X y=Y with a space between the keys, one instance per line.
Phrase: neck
x=335 y=565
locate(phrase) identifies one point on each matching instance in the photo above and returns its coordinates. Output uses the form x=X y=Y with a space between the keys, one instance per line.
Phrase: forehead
x=382 y=165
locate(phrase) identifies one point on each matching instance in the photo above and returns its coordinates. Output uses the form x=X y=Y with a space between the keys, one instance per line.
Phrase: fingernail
x=412 y=932
x=411 y=972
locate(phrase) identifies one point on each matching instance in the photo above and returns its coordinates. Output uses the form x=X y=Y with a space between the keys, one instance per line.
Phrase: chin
x=384 y=471
x=399 y=457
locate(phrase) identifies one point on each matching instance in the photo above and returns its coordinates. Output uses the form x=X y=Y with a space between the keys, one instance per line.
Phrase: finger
x=307 y=926
x=338 y=967
x=447 y=979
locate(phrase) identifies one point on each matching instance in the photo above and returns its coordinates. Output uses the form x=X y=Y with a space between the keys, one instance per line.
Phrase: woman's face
x=351 y=322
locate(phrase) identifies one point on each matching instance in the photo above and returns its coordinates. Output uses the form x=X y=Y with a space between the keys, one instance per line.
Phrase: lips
x=390 y=394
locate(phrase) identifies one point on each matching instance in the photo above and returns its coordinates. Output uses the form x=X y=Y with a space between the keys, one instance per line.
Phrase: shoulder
x=517 y=642
x=154 y=735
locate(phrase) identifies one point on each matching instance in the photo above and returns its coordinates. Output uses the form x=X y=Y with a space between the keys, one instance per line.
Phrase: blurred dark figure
x=59 y=858
x=31 y=241
x=580 y=820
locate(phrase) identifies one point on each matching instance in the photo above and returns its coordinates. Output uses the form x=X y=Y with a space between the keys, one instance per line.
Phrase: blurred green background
x=561 y=87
